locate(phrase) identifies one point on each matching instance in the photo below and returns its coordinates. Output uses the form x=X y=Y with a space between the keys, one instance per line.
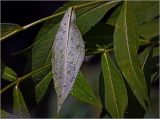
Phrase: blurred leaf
x=144 y=11
x=42 y=87
x=5 y=114
x=7 y=28
x=83 y=91
x=7 y=73
x=150 y=29
x=156 y=51
x=155 y=65
x=41 y=52
x=19 y=106
x=125 y=48
x=155 y=77
x=115 y=91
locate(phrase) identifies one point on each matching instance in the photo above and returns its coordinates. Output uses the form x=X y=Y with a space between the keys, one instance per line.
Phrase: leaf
x=155 y=65
x=41 y=52
x=155 y=51
x=125 y=48
x=68 y=54
x=115 y=91
x=19 y=106
x=5 y=114
x=150 y=29
x=146 y=63
x=8 y=73
x=7 y=28
x=144 y=11
x=42 y=87
x=134 y=110
x=83 y=91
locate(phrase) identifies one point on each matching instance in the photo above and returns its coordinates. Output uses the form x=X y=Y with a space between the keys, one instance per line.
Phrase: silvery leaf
x=67 y=56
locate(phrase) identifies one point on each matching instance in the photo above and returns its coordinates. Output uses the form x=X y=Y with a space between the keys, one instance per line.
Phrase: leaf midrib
x=128 y=50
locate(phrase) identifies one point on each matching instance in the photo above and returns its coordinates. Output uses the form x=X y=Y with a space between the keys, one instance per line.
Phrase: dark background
x=23 y=13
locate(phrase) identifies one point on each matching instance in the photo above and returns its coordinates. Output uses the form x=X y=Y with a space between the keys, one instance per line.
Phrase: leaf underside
x=68 y=54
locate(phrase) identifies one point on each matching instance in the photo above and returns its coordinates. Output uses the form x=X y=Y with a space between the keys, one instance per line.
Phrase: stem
x=24 y=77
x=46 y=18
x=99 y=51
x=149 y=42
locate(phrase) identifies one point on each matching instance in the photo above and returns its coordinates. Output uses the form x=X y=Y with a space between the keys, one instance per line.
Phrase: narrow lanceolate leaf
x=9 y=74
x=42 y=87
x=146 y=63
x=83 y=91
x=115 y=91
x=125 y=47
x=7 y=28
x=68 y=54
x=19 y=106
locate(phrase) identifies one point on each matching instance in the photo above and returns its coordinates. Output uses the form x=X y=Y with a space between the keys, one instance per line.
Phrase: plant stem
x=47 y=18
x=24 y=77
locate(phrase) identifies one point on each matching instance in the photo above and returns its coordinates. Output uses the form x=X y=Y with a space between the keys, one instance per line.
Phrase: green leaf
x=42 y=87
x=150 y=29
x=115 y=91
x=83 y=91
x=41 y=52
x=5 y=114
x=125 y=48
x=156 y=51
x=144 y=11
x=19 y=106
x=146 y=63
x=7 y=28
x=113 y=17
x=7 y=73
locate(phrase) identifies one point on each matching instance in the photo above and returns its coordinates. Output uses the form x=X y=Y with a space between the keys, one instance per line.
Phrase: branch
x=24 y=77
x=46 y=18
